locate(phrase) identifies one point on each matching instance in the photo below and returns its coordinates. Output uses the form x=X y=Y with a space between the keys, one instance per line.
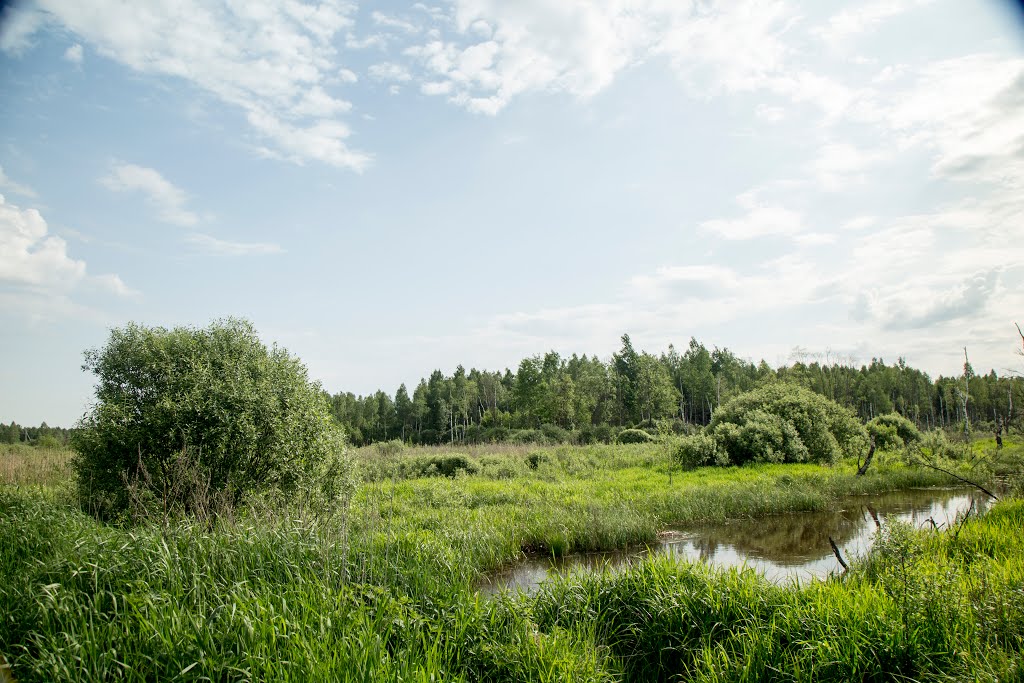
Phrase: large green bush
x=785 y=423
x=184 y=411
x=699 y=449
x=893 y=431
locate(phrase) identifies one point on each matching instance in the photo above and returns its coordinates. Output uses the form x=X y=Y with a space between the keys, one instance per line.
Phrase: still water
x=782 y=547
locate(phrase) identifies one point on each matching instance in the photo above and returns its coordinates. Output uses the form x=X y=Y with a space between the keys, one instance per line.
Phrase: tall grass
x=386 y=591
x=22 y=465
x=954 y=613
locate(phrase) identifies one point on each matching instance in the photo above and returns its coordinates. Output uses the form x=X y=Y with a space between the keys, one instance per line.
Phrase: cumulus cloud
x=164 y=196
x=32 y=260
x=263 y=58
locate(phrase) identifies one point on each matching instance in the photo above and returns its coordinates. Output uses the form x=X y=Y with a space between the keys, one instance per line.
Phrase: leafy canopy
x=247 y=417
x=782 y=422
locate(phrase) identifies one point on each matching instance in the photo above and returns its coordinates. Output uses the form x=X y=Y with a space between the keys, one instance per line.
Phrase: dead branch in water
x=835 y=549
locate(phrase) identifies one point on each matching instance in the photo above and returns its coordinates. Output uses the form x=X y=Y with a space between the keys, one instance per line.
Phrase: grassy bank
x=922 y=606
x=385 y=591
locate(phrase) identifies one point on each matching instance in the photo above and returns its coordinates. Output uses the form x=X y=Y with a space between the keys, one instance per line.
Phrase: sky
x=385 y=188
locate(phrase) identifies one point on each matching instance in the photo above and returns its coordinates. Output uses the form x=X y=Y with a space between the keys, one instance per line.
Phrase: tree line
x=584 y=398
x=43 y=435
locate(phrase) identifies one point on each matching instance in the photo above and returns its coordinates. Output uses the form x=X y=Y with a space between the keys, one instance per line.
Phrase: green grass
x=387 y=591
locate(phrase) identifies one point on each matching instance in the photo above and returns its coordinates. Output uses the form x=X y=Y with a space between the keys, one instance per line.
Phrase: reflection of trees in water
x=784 y=539
x=791 y=539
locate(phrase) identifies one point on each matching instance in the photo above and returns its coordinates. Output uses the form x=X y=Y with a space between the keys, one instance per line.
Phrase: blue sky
x=386 y=188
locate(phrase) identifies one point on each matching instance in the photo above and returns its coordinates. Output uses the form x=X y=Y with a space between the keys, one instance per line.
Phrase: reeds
x=386 y=590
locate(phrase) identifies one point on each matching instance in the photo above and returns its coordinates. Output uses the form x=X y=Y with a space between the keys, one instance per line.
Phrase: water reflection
x=784 y=547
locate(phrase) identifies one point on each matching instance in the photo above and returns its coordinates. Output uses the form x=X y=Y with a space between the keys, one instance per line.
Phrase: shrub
x=555 y=434
x=390 y=448
x=785 y=423
x=527 y=436
x=893 y=431
x=48 y=441
x=447 y=465
x=634 y=436
x=534 y=459
x=246 y=418
x=699 y=449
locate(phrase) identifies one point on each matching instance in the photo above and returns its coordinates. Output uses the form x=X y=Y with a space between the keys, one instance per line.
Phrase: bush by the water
x=212 y=409
x=893 y=431
x=785 y=423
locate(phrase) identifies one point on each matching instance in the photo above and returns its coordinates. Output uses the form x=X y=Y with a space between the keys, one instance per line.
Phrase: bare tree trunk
x=862 y=469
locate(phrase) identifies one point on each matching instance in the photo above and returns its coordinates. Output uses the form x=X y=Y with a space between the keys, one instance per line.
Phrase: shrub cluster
x=244 y=418
x=634 y=436
x=785 y=423
x=893 y=432
x=699 y=449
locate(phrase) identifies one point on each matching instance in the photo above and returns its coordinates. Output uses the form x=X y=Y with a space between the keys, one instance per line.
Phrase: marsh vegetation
x=200 y=557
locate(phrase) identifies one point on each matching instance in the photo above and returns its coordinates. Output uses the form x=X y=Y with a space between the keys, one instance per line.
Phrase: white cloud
x=759 y=221
x=967 y=111
x=13 y=187
x=862 y=18
x=219 y=246
x=29 y=256
x=387 y=21
x=74 y=54
x=17 y=26
x=36 y=262
x=264 y=58
x=770 y=114
x=347 y=76
x=168 y=199
x=389 y=71
x=840 y=164
x=580 y=47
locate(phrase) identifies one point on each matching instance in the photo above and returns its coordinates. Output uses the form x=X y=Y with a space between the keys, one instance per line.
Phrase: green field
x=385 y=589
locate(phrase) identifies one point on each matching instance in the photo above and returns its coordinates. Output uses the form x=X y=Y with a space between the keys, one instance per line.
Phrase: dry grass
x=28 y=466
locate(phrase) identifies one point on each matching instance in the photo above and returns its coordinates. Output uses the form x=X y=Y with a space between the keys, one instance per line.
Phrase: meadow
x=385 y=588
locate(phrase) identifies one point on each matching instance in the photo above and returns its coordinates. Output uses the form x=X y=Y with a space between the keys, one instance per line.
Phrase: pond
x=783 y=547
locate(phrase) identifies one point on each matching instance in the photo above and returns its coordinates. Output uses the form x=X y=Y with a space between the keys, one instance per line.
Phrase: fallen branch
x=839 y=557
x=959 y=478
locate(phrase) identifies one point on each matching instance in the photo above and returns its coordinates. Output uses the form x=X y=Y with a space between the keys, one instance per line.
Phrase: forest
x=583 y=399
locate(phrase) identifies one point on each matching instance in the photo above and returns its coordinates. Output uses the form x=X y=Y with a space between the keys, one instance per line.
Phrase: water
x=783 y=547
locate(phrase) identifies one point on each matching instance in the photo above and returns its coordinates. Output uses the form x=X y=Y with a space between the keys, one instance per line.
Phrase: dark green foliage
x=555 y=434
x=699 y=449
x=785 y=423
x=245 y=417
x=582 y=395
x=893 y=431
x=447 y=465
x=536 y=458
x=634 y=436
